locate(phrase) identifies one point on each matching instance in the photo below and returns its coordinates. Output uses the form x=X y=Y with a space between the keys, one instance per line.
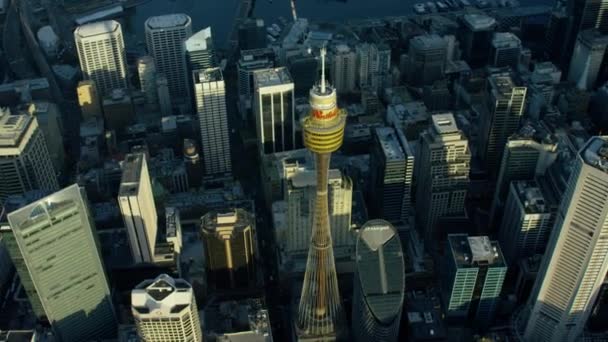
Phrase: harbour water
x=219 y=14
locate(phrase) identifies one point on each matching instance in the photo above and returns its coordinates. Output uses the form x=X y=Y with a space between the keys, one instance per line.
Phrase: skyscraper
x=252 y=34
x=165 y=37
x=506 y=104
x=25 y=163
x=576 y=259
x=587 y=58
x=442 y=173
x=58 y=242
x=89 y=100
x=392 y=168
x=146 y=69
x=274 y=110
x=165 y=309
x=529 y=218
x=320 y=309
x=101 y=52
x=230 y=248
x=250 y=61
x=137 y=207
x=10 y=243
x=427 y=57
x=476 y=38
x=506 y=50
x=164 y=97
x=380 y=67
x=379 y=283
x=200 y=54
x=210 y=96
x=527 y=154
x=580 y=15
x=475 y=274
x=344 y=69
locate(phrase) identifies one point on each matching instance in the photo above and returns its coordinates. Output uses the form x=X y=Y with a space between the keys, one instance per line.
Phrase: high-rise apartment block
x=136 y=202
x=58 y=242
x=427 y=57
x=344 y=69
x=442 y=173
x=527 y=154
x=165 y=37
x=506 y=49
x=587 y=58
x=89 y=100
x=25 y=162
x=274 y=110
x=165 y=309
x=506 y=103
x=576 y=259
x=392 y=169
x=379 y=283
x=230 y=248
x=101 y=52
x=475 y=272
x=528 y=220
x=146 y=69
x=210 y=96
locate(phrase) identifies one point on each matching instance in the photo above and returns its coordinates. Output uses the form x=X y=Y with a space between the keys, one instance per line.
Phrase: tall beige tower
x=137 y=207
x=164 y=309
x=576 y=259
x=320 y=308
x=101 y=52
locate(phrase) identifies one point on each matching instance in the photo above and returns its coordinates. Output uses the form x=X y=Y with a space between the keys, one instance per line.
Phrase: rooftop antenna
x=323 y=53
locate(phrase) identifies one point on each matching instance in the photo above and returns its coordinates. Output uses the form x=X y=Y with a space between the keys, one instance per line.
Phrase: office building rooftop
x=502 y=84
x=479 y=22
x=272 y=77
x=390 y=144
x=381 y=269
x=13 y=127
x=131 y=174
x=97 y=28
x=210 y=75
x=199 y=41
x=163 y=295
x=427 y=42
x=445 y=123
x=168 y=21
x=237 y=219
x=531 y=197
x=473 y=251
x=595 y=153
x=502 y=40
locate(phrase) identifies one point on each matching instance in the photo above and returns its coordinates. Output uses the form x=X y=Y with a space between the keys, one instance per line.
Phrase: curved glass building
x=379 y=286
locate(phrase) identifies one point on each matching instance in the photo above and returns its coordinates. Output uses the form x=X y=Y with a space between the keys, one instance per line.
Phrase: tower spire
x=323 y=53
